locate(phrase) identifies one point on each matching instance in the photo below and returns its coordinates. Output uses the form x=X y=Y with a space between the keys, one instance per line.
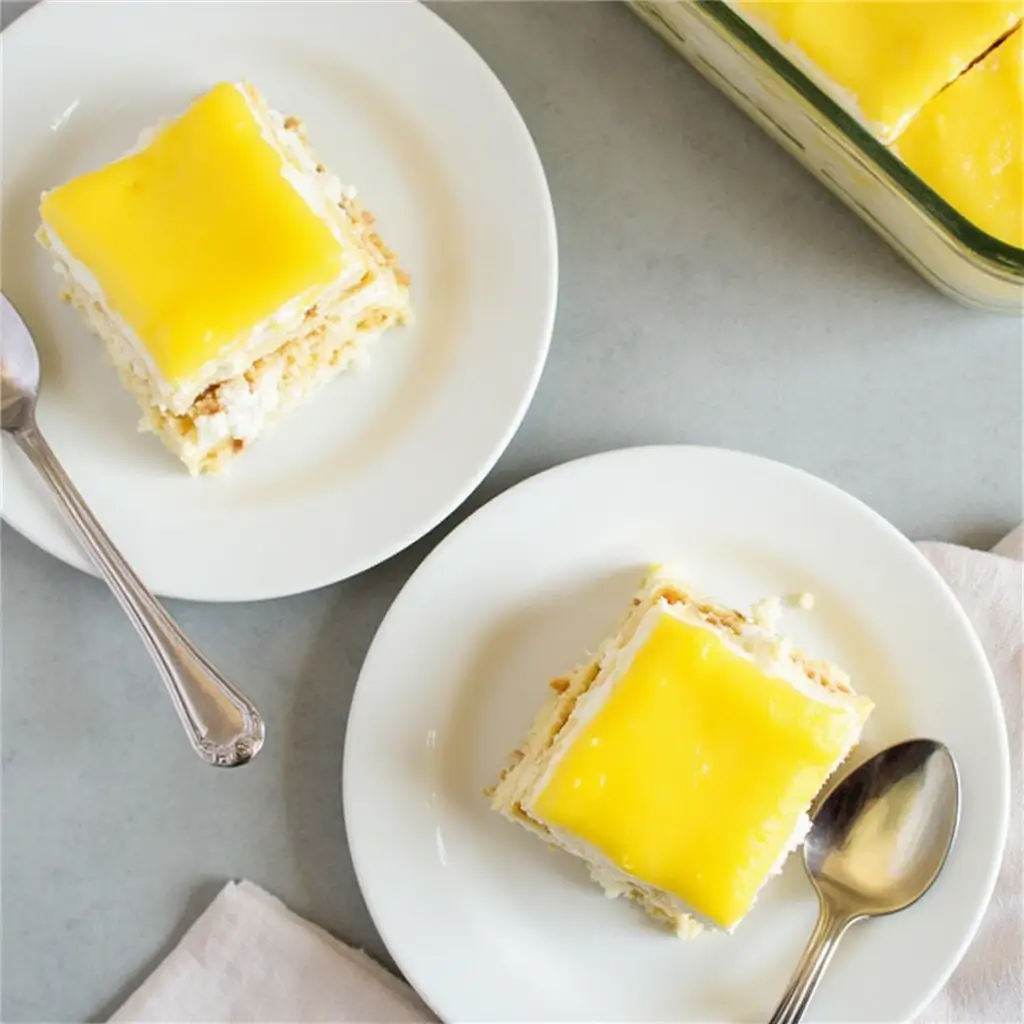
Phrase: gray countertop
x=711 y=292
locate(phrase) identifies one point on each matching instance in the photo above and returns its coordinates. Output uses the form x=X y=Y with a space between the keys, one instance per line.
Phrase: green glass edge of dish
x=981 y=243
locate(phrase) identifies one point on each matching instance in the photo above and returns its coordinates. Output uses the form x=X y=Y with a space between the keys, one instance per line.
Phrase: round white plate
x=485 y=921
x=398 y=105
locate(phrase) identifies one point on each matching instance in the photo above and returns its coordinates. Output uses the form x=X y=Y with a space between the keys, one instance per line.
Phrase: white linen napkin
x=249 y=958
x=988 y=985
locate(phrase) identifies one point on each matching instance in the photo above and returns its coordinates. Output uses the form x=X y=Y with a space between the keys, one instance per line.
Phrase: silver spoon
x=223 y=725
x=878 y=842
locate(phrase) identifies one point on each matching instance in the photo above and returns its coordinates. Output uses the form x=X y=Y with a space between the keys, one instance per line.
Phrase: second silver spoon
x=877 y=843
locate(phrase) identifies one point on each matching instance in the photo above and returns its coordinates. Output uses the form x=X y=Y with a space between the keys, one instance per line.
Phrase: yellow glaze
x=198 y=237
x=966 y=143
x=693 y=775
x=889 y=58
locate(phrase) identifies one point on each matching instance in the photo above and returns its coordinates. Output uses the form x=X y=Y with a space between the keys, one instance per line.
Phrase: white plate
x=398 y=105
x=485 y=921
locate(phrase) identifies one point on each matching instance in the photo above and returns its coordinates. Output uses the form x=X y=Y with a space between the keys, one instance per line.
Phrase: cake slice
x=228 y=273
x=681 y=762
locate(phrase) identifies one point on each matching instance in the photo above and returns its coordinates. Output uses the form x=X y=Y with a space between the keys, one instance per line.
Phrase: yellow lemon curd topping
x=198 y=237
x=966 y=143
x=694 y=773
x=889 y=57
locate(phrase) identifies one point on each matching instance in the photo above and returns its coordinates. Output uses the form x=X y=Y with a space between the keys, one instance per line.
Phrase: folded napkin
x=249 y=958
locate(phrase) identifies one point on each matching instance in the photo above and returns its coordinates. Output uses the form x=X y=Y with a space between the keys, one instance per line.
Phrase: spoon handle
x=820 y=947
x=223 y=726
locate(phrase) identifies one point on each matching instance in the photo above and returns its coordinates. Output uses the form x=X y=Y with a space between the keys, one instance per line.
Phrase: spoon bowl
x=882 y=834
x=878 y=841
x=19 y=370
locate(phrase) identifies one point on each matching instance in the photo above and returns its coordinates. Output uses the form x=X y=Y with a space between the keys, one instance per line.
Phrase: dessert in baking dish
x=883 y=59
x=939 y=82
x=966 y=142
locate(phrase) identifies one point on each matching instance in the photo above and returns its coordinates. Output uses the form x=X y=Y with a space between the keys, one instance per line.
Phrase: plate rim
x=33 y=528
x=537 y=481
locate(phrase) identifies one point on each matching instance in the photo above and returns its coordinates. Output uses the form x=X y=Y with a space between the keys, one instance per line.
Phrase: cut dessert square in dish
x=228 y=272
x=967 y=142
x=681 y=762
x=883 y=60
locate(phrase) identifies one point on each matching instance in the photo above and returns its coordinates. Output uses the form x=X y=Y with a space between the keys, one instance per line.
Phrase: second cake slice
x=681 y=762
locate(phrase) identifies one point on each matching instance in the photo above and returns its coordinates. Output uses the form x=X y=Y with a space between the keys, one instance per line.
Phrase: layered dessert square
x=966 y=142
x=680 y=762
x=882 y=60
x=228 y=272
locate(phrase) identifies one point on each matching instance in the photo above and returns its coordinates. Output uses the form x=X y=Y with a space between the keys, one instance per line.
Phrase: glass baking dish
x=959 y=259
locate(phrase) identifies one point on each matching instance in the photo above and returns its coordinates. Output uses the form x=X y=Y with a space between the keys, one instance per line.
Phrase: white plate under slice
x=485 y=920
x=400 y=106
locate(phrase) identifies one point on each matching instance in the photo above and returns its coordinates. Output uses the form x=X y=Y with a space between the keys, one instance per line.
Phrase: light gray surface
x=711 y=292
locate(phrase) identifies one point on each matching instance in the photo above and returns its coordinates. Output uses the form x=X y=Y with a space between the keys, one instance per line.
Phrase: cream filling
x=246 y=411
x=243 y=411
x=322 y=193
x=765 y=649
